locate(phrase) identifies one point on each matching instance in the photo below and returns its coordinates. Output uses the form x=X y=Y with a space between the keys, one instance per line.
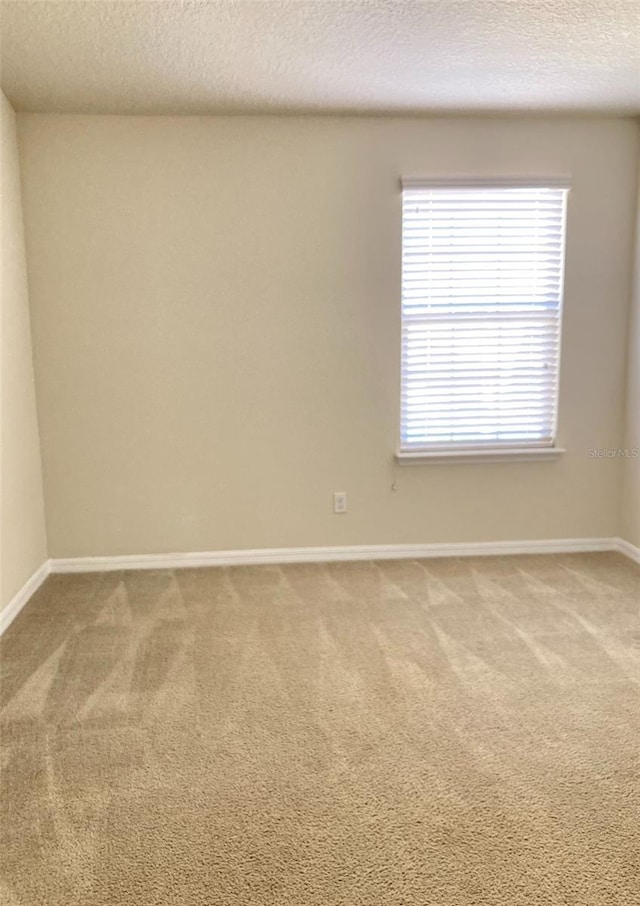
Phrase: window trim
x=524 y=182
x=478 y=453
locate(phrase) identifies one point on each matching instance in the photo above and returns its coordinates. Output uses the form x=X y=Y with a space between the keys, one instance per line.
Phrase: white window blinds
x=482 y=275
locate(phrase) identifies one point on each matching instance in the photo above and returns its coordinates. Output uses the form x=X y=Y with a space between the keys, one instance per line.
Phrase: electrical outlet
x=339 y=502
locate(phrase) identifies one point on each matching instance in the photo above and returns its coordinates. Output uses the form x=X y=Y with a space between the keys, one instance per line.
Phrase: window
x=482 y=276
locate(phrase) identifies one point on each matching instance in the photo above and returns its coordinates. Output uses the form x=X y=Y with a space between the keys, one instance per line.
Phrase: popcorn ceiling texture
x=330 y=55
x=409 y=733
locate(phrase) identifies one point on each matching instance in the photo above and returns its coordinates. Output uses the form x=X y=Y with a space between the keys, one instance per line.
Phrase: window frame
x=487 y=452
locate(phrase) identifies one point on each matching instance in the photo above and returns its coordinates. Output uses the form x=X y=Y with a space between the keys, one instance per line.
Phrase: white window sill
x=514 y=454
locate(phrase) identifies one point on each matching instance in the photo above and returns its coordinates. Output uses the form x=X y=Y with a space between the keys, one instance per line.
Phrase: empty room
x=320 y=453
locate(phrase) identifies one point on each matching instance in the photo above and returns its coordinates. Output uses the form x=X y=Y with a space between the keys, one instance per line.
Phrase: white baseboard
x=15 y=605
x=628 y=549
x=308 y=555
x=331 y=554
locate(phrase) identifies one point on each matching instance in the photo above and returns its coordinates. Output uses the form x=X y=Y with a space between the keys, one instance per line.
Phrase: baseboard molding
x=308 y=555
x=331 y=554
x=15 y=605
x=628 y=549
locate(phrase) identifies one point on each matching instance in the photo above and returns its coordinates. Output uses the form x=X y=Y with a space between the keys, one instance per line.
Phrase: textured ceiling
x=321 y=55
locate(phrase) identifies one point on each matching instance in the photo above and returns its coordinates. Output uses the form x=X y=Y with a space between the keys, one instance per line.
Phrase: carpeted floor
x=457 y=732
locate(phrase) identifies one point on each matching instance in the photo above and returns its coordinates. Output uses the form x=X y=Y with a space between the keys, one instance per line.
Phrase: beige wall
x=631 y=483
x=216 y=323
x=23 y=546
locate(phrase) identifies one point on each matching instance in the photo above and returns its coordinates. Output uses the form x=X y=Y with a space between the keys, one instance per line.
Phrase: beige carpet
x=411 y=733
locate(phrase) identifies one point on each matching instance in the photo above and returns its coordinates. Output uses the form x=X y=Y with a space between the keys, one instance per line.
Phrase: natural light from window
x=482 y=278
